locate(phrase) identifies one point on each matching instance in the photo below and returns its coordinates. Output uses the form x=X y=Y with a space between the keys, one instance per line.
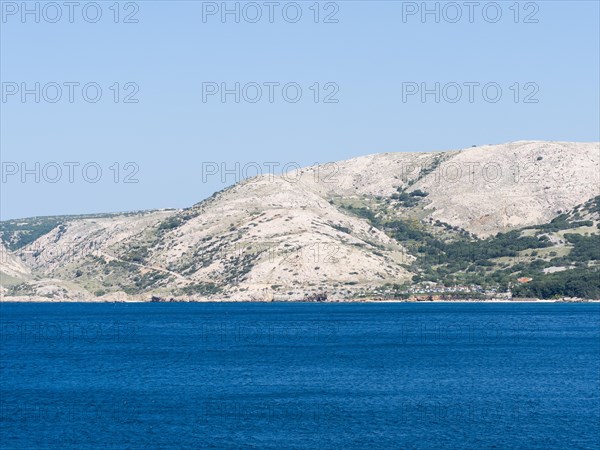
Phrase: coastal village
x=430 y=292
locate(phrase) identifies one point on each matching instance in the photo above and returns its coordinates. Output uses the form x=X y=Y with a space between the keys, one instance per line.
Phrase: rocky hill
x=366 y=227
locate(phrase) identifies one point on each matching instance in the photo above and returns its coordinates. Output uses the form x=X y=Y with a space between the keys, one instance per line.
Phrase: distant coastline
x=370 y=301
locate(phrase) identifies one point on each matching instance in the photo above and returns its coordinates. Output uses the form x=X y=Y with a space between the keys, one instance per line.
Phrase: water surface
x=224 y=375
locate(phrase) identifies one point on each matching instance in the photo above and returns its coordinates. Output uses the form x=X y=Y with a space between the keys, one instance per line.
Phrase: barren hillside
x=345 y=229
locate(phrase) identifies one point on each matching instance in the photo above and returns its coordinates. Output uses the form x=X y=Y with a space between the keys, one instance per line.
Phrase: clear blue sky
x=368 y=55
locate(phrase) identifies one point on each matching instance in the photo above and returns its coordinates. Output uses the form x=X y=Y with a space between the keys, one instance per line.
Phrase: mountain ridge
x=347 y=228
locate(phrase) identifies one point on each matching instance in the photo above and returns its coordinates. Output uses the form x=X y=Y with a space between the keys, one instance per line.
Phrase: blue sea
x=317 y=376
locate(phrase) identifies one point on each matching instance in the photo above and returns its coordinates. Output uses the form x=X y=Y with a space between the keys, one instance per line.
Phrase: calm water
x=300 y=376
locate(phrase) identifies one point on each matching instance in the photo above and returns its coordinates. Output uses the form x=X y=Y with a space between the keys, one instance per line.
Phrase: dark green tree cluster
x=582 y=283
x=409 y=199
